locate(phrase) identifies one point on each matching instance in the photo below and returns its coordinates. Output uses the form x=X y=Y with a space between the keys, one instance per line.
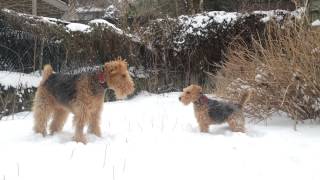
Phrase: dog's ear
x=124 y=61
x=119 y=59
x=109 y=68
x=196 y=87
x=105 y=67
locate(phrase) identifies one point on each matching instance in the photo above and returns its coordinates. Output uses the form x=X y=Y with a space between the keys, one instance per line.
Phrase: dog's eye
x=188 y=92
x=123 y=76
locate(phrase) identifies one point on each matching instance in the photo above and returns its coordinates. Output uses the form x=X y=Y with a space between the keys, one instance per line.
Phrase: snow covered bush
x=167 y=54
x=187 y=48
x=283 y=69
x=13 y=100
x=16 y=91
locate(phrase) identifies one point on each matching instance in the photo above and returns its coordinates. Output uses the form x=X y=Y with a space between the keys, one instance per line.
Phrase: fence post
x=314 y=10
x=34 y=7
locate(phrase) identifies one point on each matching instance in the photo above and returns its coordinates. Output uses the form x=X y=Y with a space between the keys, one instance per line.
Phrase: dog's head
x=190 y=94
x=118 y=78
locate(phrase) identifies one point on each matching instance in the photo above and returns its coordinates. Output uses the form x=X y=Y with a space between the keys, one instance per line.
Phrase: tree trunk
x=191 y=7
x=177 y=7
x=71 y=14
x=201 y=5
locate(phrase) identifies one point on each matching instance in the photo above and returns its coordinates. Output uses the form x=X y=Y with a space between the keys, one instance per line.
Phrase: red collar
x=101 y=78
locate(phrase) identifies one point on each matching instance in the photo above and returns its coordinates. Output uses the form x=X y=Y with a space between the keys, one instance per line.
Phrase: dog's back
x=62 y=86
x=220 y=111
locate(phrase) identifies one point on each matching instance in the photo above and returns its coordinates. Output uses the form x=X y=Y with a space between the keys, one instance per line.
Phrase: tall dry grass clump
x=283 y=69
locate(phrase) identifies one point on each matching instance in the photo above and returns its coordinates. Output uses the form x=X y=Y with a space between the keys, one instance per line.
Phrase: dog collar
x=203 y=99
x=101 y=77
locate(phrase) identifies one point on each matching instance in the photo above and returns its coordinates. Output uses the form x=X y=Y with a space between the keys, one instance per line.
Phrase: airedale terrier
x=82 y=94
x=209 y=111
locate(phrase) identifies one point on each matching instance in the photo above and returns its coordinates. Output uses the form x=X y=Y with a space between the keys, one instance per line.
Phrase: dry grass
x=283 y=69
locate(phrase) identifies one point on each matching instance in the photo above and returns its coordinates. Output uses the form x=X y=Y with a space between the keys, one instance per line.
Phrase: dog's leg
x=232 y=124
x=235 y=126
x=95 y=116
x=59 y=118
x=204 y=127
x=241 y=124
x=94 y=124
x=41 y=113
x=80 y=119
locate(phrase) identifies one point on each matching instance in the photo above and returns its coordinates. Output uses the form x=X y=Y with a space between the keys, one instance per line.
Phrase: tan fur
x=245 y=98
x=47 y=71
x=190 y=94
x=86 y=107
x=235 y=121
x=118 y=78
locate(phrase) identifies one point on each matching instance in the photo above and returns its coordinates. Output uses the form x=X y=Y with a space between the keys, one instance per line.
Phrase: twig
x=72 y=152
x=124 y=165
x=175 y=125
x=295 y=124
x=113 y=176
x=18 y=169
x=285 y=93
x=105 y=156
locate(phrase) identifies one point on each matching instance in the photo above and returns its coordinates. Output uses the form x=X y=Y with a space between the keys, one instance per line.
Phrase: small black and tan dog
x=209 y=111
x=82 y=94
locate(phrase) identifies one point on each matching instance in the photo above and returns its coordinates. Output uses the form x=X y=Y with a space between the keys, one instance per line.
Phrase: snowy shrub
x=13 y=100
x=17 y=91
x=186 y=49
x=172 y=52
x=284 y=71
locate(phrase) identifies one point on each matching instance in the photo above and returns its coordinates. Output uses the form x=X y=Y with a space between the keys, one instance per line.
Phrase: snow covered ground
x=155 y=137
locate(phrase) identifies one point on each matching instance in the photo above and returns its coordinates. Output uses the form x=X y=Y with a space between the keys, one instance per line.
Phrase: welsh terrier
x=209 y=111
x=82 y=94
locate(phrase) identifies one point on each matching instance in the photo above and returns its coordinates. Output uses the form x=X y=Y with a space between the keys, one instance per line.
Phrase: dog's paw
x=80 y=139
x=43 y=132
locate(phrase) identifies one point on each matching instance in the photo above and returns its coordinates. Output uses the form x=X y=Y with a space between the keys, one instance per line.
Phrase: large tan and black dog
x=209 y=111
x=81 y=94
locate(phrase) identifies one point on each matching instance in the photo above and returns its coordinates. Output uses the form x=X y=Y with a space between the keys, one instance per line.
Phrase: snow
x=156 y=137
x=111 y=12
x=272 y=14
x=197 y=23
x=278 y=14
x=220 y=16
x=89 y=9
x=106 y=24
x=48 y=20
x=316 y=23
x=15 y=79
x=78 y=27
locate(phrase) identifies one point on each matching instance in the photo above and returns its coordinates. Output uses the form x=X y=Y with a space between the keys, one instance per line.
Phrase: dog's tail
x=47 y=71
x=245 y=98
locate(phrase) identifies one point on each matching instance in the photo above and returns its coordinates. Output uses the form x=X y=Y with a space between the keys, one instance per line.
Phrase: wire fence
x=25 y=6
